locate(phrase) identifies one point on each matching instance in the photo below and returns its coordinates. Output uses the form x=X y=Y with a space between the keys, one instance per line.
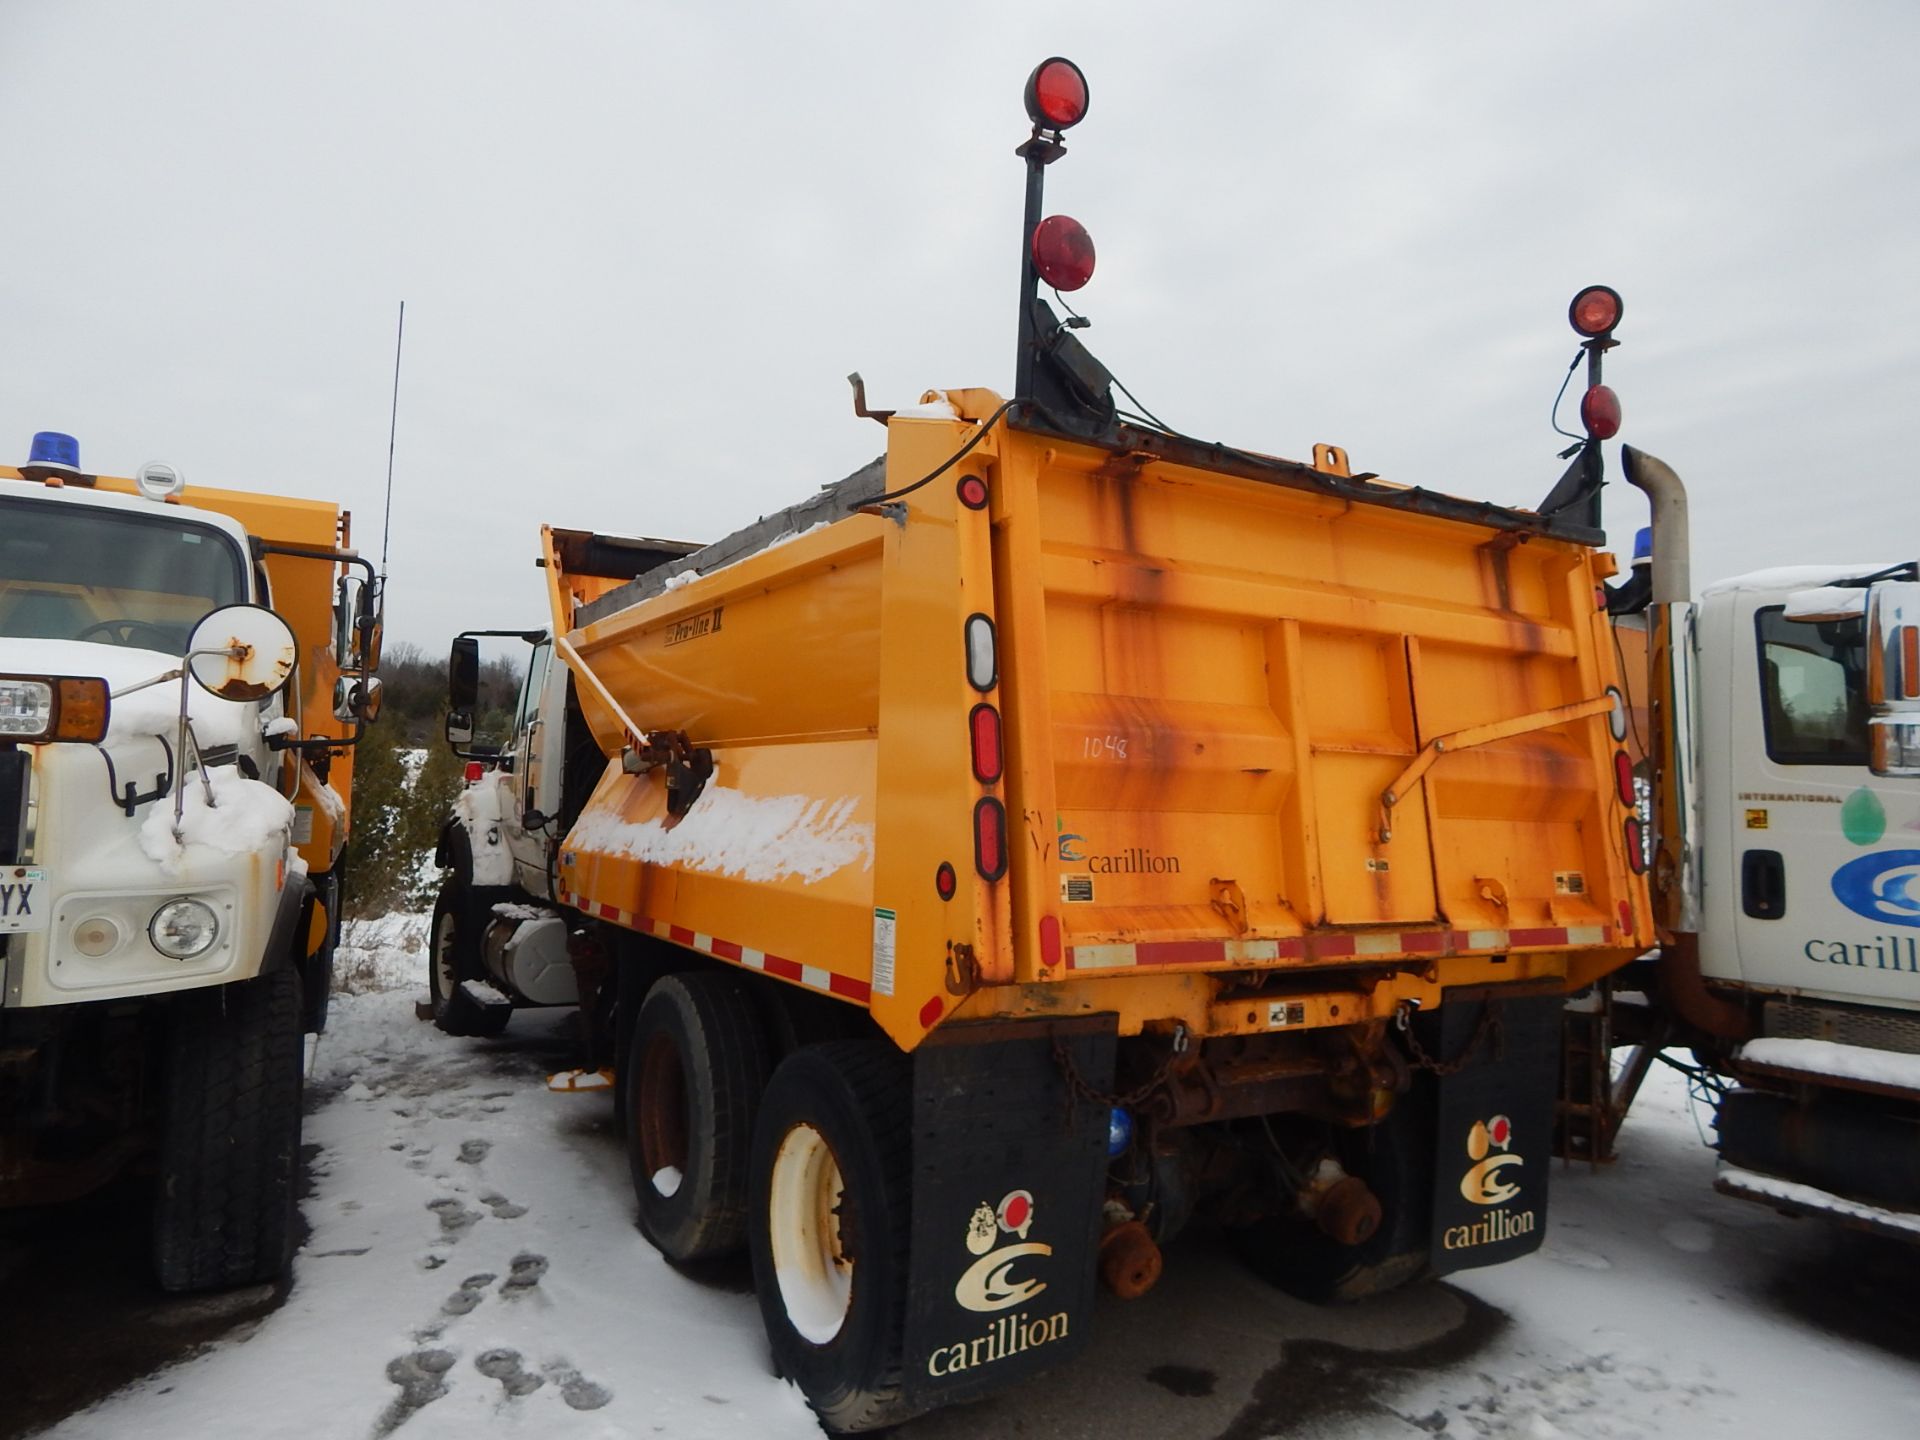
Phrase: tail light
x=1636 y=837
x=1596 y=310
x=990 y=839
x=985 y=725
x=1056 y=94
x=1623 y=778
x=1062 y=252
x=1600 y=412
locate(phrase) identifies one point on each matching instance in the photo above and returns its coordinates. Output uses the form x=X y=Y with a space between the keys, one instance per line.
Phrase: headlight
x=26 y=707
x=182 y=929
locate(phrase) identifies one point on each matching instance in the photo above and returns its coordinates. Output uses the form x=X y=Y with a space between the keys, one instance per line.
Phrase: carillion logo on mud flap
x=990 y=1285
x=1486 y=1184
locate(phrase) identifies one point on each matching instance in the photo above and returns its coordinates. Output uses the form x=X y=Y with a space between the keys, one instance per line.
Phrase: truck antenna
x=393 y=425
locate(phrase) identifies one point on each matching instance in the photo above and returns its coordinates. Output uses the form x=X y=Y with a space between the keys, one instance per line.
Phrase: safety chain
x=1081 y=1088
x=1490 y=1026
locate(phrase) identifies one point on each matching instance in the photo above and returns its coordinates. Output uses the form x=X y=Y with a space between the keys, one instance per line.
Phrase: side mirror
x=1893 y=678
x=460 y=729
x=463 y=677
x=356 y=699
x=241 y=652
x=367 y=634
x=346 y=607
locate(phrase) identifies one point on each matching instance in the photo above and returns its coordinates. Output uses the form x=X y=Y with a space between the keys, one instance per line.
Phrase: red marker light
x=474 y=771
x=945 y=882
x=973 y=492
x=985 y=724
x=1636 y=846
x=990 y=839
x=1063 y=252
x=1596 y=310
x=1056 y=94
x=1600 y=412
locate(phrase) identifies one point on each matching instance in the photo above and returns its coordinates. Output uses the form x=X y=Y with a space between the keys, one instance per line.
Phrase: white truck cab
x=1810 y=859
x=183 y=676
x=1784 y=710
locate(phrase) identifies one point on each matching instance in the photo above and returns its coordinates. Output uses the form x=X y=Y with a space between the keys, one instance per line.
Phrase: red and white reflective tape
x=812 y=976
x=1359 y=944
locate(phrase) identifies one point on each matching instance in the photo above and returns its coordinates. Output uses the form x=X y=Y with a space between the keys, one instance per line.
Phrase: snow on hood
x=153 y=711
x=246 y=816
x=757 y=837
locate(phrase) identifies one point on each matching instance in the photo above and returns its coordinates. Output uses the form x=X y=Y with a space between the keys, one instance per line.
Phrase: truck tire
x=1395 y=1158
x=453 y=958
x=691 y=1085
x=832 y=1224
x=224 y=1211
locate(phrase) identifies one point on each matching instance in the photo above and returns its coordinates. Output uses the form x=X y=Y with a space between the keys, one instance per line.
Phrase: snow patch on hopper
x=756 y=837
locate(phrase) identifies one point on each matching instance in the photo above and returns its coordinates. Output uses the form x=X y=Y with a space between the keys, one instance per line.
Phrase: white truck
x=1784 y=708
x=182 y=677
x=498 y=942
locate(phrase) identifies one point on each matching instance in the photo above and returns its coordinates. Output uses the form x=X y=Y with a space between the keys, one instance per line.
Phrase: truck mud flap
x=1008 y=1174
x=1493 y=1150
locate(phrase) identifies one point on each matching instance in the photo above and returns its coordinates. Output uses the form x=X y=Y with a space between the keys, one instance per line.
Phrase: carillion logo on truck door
x=999 y=1280
x=1883 y=886
x=1491 y=1180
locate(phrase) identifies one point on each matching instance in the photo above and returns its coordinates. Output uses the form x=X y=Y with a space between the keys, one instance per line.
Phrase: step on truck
x=183 y=674
x=1063 y=828
x=1784 y=745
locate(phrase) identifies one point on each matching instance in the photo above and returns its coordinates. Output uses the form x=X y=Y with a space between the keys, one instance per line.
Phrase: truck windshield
x=1813 y=685
x=74 y=572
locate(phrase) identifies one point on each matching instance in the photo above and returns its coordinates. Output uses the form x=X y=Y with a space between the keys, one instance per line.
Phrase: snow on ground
x=473 y=1267
x=1660 y=1308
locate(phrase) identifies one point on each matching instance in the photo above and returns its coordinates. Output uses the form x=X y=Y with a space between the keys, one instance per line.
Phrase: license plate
x=23 y=899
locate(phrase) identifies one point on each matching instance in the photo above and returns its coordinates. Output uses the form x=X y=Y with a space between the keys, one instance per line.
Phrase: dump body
x=1205 y=683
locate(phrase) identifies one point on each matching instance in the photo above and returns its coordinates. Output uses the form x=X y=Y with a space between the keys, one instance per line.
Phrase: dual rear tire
x=805 y=1165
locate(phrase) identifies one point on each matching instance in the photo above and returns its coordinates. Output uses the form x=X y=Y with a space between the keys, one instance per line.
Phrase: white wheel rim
x=815 y=1276
x=443 y=934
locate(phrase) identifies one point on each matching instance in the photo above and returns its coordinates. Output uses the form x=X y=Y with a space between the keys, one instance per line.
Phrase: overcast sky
x=642 y=244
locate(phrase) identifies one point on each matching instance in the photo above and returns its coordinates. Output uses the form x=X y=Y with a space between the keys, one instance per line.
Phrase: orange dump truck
x=1061 y=828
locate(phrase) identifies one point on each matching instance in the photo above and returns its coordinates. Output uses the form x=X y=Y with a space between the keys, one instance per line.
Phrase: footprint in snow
x=472 y=1152
x=455 y=1218
x=421 y=1377
x=503 y=1208
x=506 y=1367
x=524 y=1275
x=471 y=1292
x=579 y=1392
